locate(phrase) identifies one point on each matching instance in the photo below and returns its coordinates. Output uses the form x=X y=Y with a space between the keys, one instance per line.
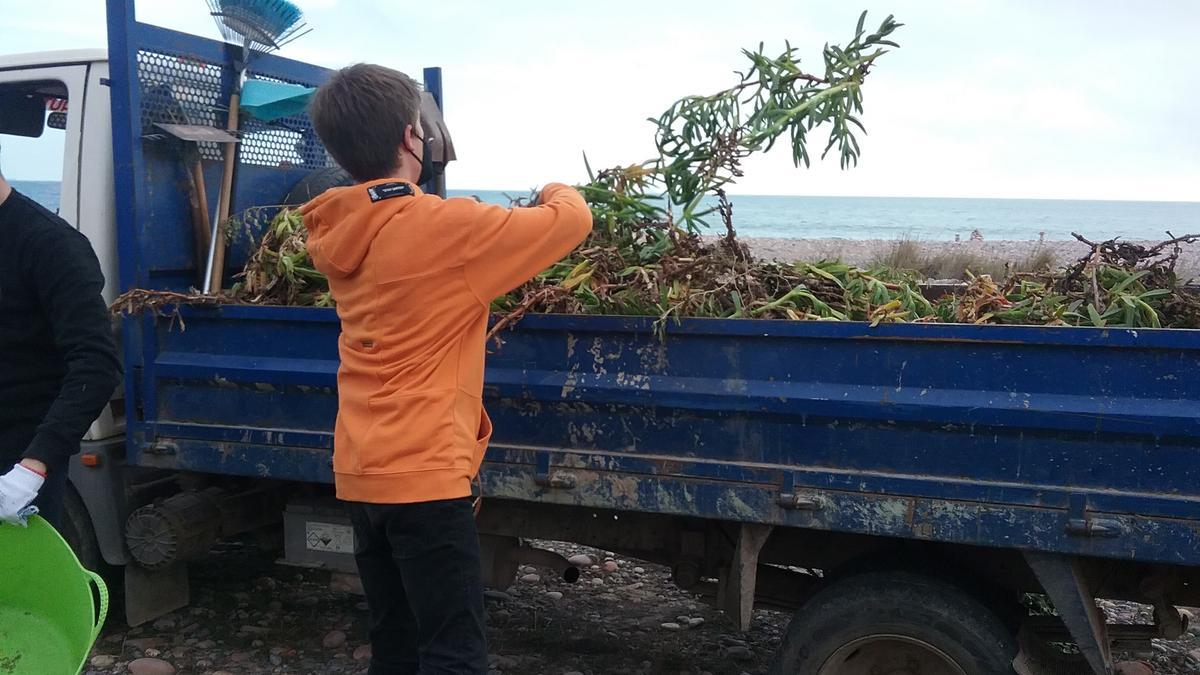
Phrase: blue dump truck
x=904 y=489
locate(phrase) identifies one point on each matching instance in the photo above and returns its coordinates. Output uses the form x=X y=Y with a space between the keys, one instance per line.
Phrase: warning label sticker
x=329 y=538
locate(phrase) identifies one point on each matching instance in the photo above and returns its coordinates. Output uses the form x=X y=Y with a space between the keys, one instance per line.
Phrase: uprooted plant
x=640 y=260
x=279 y=270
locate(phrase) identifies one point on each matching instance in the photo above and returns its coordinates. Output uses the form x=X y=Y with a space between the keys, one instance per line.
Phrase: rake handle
x=224 y=206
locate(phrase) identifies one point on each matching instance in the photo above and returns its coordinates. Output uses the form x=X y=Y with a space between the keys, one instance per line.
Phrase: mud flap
x=149 y=595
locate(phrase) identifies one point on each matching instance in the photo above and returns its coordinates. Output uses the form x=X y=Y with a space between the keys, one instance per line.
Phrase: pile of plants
x=279 y=271
x=647 y=256
x=1116 y=284
x=662 y=270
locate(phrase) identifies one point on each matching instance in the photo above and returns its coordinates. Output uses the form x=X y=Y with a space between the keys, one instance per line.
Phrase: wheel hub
x=890 y=655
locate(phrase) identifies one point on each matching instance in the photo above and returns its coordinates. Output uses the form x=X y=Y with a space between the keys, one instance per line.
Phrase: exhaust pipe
x=502 y=555
x=543 y=558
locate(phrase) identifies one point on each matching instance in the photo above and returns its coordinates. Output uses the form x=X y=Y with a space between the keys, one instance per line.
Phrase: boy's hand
x=18 y=488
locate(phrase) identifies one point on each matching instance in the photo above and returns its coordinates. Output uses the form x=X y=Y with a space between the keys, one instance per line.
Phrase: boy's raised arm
x=508 y=247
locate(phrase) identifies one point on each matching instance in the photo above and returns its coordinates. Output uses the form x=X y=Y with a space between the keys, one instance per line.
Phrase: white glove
x=18 y=488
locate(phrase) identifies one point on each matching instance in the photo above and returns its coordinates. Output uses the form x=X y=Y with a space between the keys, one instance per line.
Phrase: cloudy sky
x=986 y=98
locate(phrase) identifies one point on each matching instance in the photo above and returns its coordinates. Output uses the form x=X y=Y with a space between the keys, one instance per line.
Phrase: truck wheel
x=895 y=623
x=77 y=530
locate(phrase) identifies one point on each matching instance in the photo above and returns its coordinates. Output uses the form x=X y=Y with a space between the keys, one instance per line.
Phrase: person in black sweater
x=58 y=359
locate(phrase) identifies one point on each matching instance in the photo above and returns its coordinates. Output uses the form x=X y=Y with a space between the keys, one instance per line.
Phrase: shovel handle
x=225 y=203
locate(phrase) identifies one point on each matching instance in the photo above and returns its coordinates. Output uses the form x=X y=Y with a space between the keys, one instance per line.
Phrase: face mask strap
x=424 y=147
x=426 y=160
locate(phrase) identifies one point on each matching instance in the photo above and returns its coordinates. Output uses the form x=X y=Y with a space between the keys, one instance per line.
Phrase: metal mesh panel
x=180 y=90
x=185 y=90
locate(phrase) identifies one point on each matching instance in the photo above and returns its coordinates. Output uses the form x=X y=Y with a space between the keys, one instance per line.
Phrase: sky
x=1069 y=99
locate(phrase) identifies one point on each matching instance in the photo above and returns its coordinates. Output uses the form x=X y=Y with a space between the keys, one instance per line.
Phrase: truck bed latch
x=555 y=480
x=797 y=499
x=1081 y=524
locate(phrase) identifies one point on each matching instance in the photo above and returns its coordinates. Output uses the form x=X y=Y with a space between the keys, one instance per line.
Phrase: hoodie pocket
x=411 y=431
x=482 y=438
x=358 y=380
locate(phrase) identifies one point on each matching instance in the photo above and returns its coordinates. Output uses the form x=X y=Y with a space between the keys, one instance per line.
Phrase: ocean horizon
x=890 y=218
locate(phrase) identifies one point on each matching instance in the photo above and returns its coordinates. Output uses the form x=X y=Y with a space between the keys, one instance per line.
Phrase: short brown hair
x=361 y=113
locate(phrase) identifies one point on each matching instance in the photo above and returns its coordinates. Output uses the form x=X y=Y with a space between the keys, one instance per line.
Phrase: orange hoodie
x=413 y=276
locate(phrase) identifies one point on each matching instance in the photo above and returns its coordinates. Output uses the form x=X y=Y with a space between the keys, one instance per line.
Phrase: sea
x=916 y=218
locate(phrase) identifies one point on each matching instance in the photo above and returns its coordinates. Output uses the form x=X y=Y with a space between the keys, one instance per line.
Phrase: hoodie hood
x=342 y=222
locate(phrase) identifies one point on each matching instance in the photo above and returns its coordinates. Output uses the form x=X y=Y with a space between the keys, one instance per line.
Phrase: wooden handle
x=200 y=222
x=224 y=206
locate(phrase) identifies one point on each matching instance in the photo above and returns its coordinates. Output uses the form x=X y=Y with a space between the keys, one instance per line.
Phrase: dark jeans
x=50 y=498
x=420 y=569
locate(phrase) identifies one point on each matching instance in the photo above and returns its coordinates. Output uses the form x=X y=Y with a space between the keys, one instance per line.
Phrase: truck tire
x=315 y=183
x=77 y=530
x=897 y=623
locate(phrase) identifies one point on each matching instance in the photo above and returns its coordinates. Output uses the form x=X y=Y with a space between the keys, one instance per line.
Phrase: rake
x=258 y=26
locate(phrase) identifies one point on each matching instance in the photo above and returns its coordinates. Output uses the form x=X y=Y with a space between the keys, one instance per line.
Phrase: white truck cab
x=72 y=89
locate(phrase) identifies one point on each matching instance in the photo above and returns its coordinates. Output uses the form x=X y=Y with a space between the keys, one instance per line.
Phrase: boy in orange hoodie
x=413 y=275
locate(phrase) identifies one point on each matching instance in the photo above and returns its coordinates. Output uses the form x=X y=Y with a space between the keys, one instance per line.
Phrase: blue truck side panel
x=998 y=436
x=1069 y=440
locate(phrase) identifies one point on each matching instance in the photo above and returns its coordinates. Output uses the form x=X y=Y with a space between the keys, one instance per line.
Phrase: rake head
x=261 y=25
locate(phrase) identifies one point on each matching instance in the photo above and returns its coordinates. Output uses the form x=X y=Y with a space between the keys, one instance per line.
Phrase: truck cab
x=76 y=129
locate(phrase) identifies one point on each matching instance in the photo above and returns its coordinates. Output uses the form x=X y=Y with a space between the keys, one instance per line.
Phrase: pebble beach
x=864 y=252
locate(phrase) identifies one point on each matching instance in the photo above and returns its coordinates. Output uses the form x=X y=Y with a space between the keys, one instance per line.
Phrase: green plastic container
x=48 y=615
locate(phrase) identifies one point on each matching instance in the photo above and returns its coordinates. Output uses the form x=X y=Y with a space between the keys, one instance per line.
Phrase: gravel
x=334 y=639
x=1180 y=656
x=272 y=619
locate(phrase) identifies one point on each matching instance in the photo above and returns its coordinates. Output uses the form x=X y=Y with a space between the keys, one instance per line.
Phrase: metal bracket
x=798 y=500
x=1062 y=578
x=738 y=589
x=556 y=480
x=1171 y=623
x=161 y=448
x=1081 y=524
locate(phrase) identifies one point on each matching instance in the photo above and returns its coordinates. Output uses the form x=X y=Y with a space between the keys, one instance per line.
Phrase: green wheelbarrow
x=49 y=614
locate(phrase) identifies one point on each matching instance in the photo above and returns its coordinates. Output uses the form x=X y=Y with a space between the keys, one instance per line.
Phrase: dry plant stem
x=139 y=301
x=163 y=303
x=518 y=312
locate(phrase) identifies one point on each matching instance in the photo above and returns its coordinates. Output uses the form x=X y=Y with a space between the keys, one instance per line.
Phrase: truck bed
x=1072 y=440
